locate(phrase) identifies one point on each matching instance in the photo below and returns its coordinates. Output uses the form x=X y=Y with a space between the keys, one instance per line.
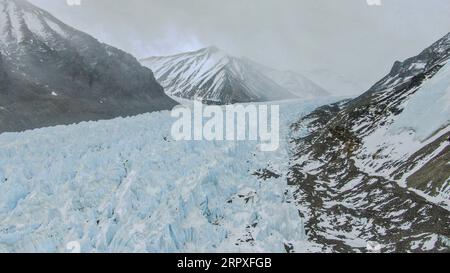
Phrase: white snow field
x=428 y=111
x=124 y=186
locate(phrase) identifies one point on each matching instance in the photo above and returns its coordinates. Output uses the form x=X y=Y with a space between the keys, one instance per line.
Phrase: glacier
x=124 y=185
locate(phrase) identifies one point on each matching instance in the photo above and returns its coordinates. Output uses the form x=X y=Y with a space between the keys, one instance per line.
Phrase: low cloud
x=351 y=37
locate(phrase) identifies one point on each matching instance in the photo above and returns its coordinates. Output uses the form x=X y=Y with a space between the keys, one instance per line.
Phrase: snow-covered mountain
x=377 y=168
x=212 y=75
x=53 y=74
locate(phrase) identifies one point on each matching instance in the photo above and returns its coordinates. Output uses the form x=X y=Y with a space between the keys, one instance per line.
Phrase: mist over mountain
x=347 y=38
x=336 y=83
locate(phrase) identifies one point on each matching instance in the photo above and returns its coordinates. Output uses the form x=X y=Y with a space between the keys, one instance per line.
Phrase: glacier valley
x=124 y=185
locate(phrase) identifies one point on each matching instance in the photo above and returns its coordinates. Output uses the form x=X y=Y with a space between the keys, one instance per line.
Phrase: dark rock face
x=58 y=75
x=350 y=195
x=3 y=73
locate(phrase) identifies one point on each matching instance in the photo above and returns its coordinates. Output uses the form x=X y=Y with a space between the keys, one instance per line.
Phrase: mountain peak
x=436 y=54
x=207 y=52
x=22 y=21
x=212 y=49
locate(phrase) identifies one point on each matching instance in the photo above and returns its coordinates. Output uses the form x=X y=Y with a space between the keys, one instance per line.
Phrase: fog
x=347 y=37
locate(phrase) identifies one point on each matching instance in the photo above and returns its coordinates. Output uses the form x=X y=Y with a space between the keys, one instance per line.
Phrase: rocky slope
x=214 y=76
x=53 y=74
x=376 y=168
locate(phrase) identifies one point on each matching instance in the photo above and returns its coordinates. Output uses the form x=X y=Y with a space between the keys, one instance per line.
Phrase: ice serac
x=377 y=168
x=213 y=76
x=59 y=75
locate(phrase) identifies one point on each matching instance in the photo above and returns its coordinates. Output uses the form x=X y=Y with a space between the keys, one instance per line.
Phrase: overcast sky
x=348 y=37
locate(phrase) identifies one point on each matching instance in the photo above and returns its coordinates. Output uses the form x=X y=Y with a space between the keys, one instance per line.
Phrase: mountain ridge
x=59 y=75
x=213 y=75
